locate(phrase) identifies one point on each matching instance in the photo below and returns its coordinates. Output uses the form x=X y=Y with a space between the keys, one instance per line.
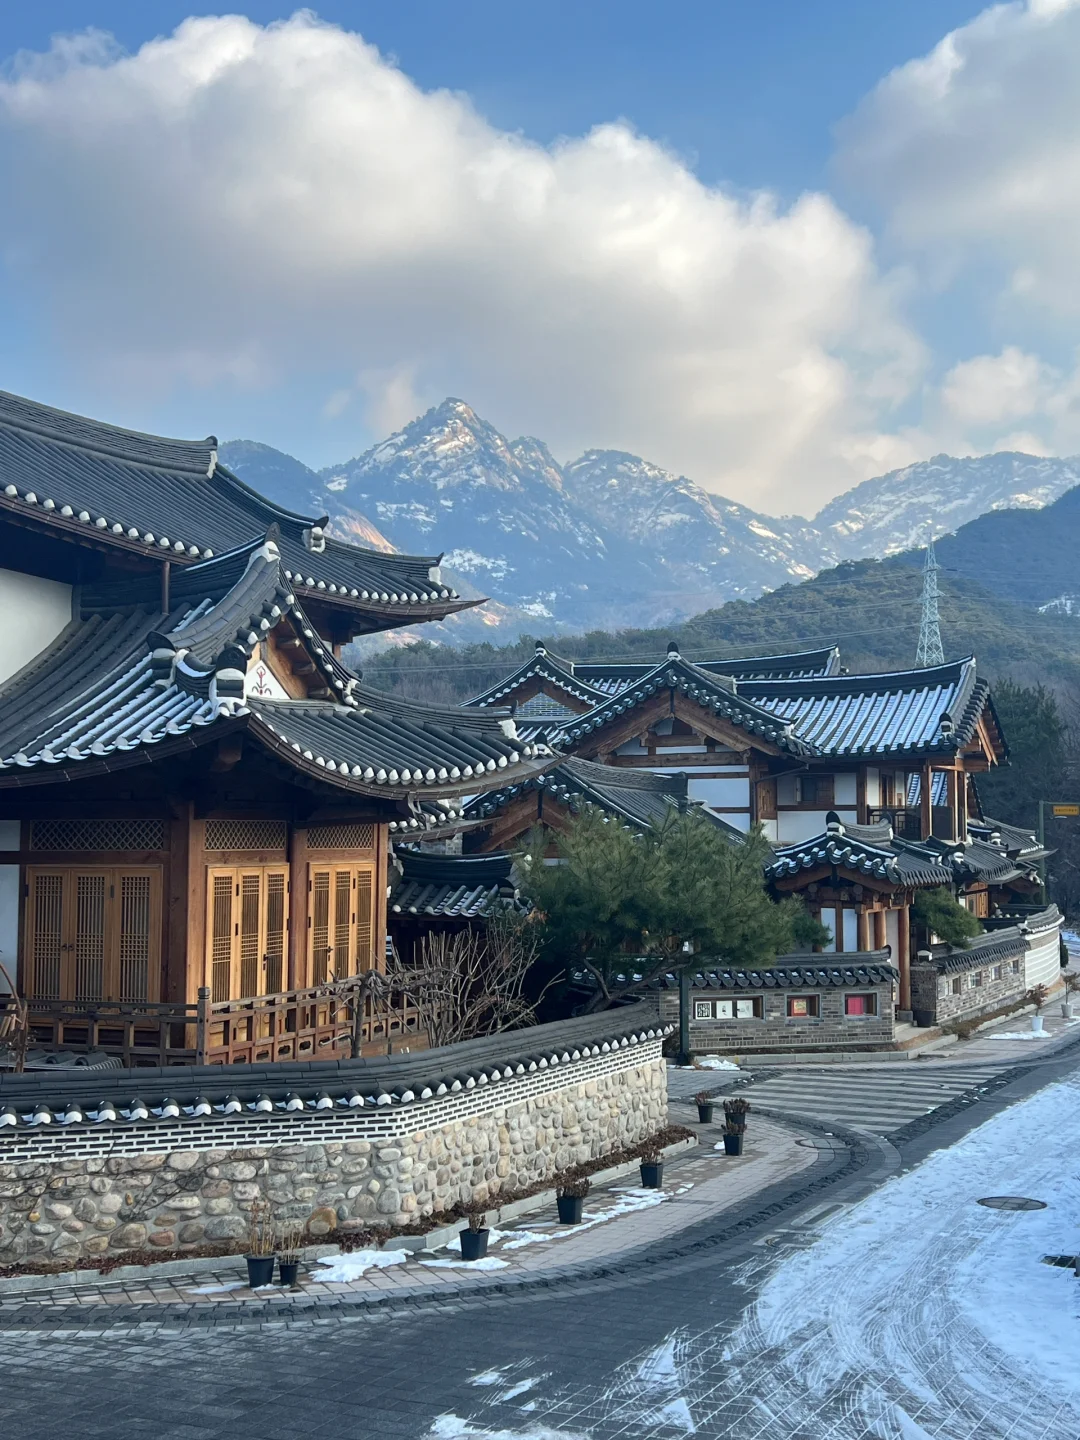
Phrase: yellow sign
x=1067 y=809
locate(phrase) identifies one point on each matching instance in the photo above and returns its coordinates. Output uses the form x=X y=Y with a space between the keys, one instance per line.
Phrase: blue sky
x=750 y=91
x=778 y=247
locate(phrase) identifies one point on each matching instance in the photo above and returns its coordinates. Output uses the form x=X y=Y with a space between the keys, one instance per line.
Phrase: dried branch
x=14 y=1024
x=472 y=982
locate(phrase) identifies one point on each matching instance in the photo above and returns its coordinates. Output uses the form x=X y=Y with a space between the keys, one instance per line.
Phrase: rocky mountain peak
x=612 y=540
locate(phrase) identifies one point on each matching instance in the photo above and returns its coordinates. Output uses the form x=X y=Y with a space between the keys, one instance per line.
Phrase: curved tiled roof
x=637 y=796
x=117 y=1100
x=114 y=685
x=594 y=682
x=911 y=711
x=861 y=967
x=541 y=665
x=840 y=846
x=1003 y=944
x=450 y=887
x=715 y=692
x=613 y=678
x=159 y=497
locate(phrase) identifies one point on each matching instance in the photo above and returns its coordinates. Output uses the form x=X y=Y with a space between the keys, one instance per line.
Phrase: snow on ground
x=342 y=1268
x=451 y=1427
x=917 y=1313
x=714 y=1062
x=929 y=1311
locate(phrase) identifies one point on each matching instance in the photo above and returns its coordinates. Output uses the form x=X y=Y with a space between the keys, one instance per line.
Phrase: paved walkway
x=618 y=1218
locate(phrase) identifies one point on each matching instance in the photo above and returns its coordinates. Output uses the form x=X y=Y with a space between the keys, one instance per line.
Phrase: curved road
x=763 y=1330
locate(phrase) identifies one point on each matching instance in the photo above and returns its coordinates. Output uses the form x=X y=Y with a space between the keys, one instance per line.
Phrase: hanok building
x=865 y=785
x=196 y=793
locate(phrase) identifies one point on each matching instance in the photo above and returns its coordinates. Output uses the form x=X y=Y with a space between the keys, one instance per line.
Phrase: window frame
x=871 y=999
x=813 y=1003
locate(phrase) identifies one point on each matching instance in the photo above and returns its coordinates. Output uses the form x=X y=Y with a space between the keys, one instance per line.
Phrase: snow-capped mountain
x=610 y=540
x=908 y=507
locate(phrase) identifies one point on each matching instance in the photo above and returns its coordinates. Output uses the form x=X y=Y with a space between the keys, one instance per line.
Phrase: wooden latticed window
x=93 y=934
x=248 y=918
x=341 y=921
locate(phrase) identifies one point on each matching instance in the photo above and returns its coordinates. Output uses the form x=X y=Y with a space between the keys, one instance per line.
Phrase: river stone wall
x=67 y=1195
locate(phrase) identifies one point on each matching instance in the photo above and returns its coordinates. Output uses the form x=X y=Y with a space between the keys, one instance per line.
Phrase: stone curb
x=433 y=1240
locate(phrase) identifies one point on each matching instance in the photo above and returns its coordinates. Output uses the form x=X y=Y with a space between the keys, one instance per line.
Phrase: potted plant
x=570 y=1196
x=1037 y=997
x=733 y=1138
x=735 y=1113
x=704 y=1103
x=1072 y=983
x=260 y=1251
x=652 y=1169
x=474 y=1240
x=289 y=1243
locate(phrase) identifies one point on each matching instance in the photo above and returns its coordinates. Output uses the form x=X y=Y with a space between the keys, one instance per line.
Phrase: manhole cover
x=1012 y=1202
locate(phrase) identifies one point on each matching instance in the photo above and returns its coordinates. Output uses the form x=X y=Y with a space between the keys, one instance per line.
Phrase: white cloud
x=249 y=207
x=991 y=389
x=973 y=154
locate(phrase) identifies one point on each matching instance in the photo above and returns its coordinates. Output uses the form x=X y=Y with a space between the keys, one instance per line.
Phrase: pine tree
x=622 y=905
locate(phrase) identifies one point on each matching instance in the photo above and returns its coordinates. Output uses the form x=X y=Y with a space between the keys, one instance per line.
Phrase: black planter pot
x=652 y=1174
x=288 y=1270
x=260 y=1270
x=474 y=1244
x=569 y=1209
x=733 y=1144
x=704 y=1114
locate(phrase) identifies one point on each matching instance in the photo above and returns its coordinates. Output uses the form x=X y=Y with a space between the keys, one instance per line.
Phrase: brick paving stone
x=605 y=1345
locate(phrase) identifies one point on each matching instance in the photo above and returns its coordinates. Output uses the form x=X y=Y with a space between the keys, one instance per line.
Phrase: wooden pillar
x=863 y=924
x=195 y=955
x=880 y=933
x=382 y=881
x=903 y=956
x=298 y=907
x=174 y=946
x=926 y=783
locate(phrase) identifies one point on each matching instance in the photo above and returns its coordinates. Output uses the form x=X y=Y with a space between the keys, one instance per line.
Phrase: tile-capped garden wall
x=88 y=1188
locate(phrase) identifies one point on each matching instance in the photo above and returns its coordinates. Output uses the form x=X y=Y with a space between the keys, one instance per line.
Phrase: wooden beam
x=903 y=956
x=195 y=948
x=298 y=906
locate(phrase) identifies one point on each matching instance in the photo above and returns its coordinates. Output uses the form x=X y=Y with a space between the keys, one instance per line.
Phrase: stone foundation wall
x=66 y=1196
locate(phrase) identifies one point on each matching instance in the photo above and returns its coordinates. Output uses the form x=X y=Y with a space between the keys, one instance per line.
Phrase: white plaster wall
x=844 y=791
x=9 y=921
x=720 y=792
x=1042 y=965
x=892 y=932
x=34 y=612
x=873 y=789
x=851 y=930
x=795 y=825
x=828 y=919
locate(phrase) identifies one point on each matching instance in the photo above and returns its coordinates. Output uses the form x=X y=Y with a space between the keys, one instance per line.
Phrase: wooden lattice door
x=247 y=909
x=92 y=933
x=341 y=921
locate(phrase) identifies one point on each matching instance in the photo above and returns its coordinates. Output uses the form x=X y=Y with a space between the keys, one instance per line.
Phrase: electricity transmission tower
x=930 y=651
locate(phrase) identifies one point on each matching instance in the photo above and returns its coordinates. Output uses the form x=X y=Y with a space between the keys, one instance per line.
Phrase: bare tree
x=14 y=1025
x=472 y=982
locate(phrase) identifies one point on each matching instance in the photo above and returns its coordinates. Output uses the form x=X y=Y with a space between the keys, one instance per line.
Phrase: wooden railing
x=906 y=820
x=314 y=1024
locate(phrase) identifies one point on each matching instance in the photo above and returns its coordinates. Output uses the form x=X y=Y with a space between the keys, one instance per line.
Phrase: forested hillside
x=870 y=608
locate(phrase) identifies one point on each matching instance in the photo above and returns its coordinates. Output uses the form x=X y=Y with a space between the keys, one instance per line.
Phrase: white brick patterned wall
x=87 y=1140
